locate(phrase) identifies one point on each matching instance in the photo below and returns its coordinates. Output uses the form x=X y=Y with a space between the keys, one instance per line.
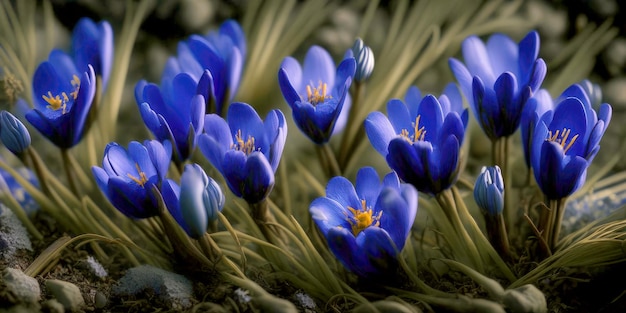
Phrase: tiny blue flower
x=173 y=112
x=245 y=149
x=92 y=44
x=62 y=99
x=128 y=176
x=196 y=202
x=317 y=93
x=366 y=225
x=421 y=139
x=13 y=133
x=489 y=190
x=497 y=79
x=564 y=142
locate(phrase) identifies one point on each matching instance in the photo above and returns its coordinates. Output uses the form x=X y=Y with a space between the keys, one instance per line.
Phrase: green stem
x=266 y=222
x=447 y=203
x=332 y=166
x=348 y=143
x=39 y=169
x=68 y=171
x=482 y=241
x=557 y=208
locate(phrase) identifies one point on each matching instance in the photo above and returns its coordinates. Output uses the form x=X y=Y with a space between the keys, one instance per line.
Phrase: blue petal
x=192 y=206
x=318 y=67
x=477 y=59
x=343 y=245
x=82 y=106
x=570 y=114
x=368 y=185
x=288 y=86
x=528 y=52
x=538 y=74
x=276 y=129
x=328 y=213
x=101 y=177
x=242 y=116
x=399 y=116
x=503 y=53
x=412 y=97
x=431 y=117
x=233 y=166
x=130 y=198
x=341 y=190
x=396 y=218
x=377 y=249
x=233 y=30
x=140 y=155
x=464 y=78
x=259 y=180
x=379 y=131
x=345 y=73
x=159 y=156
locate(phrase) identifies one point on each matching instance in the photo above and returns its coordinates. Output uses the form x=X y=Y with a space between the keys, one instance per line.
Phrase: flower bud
x=489 y=191
x=13 y=133
x=364 y=60
x=200 y=199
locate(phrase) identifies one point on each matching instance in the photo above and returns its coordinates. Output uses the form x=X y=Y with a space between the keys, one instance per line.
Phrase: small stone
x=53 y=306
x=305 y=302
x=23 y=287
x=174 y=289
x=66 y=293
x=242 y=296
x=100 y=300
x=13 y=235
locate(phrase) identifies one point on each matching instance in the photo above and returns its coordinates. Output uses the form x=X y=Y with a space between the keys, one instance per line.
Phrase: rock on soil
x=174 y=289
x=23 y=287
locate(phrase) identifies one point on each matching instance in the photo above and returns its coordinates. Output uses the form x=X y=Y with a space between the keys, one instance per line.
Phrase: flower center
x=60 y=101
x=562 y=138
x=245 y=146
x=363 y=218
x=317 y=95
x=141 y=180
x=418 y=132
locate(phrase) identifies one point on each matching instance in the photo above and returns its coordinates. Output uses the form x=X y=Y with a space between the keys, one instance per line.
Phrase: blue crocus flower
x=127 y=177
x=92 y=44
x=63 y=97
x=245 y=149
x=421 y=139
x=498 y=78
x=540 y=103
x=564 y=142
x=174 y=112
x=489 y=190
x=366 y=225
x=214 y=61
x=196 y=202
x=317 y=93
x=13 y=133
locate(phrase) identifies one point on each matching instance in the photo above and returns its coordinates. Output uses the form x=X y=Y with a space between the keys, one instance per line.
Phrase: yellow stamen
x=142 y=180
x=60 y=101
x=54 y=102
x=561 y=137
x=317 y=95
x=419 y=133
x=246 y=146
x=363 y=218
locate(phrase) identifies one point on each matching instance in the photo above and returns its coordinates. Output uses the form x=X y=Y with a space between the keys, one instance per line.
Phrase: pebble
x=23 y=287
x=174 y=289
x=100 y=300
x=66 y=293
x=13 y=235
x=53 y=306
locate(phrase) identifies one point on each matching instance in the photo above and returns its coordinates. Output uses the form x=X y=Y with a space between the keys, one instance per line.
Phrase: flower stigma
x=561 y=137
x=363 y=218
x=418 y=133
x=317 y=95
x=60 y=101
x=142 y=180
x=246 y=146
